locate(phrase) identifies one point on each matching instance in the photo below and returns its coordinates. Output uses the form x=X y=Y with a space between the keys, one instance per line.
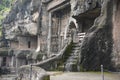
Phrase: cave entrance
x=60 y=19
x=85 y=24
x=4 y=61
x=73 y=31
x=86 y=20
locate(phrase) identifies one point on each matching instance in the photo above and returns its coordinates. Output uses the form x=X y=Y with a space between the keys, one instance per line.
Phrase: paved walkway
x=74 y=76
x=7 y=77
x=83 y=76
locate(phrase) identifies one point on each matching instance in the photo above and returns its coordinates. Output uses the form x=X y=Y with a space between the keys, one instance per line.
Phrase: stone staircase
x=71 y=62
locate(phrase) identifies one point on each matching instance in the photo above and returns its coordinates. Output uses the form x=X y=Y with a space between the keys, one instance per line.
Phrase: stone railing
x=51 y=62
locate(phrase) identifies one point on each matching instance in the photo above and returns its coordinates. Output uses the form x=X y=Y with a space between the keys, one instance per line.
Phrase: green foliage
x=3 y=53
x=39 y=57
x=5 y=7
x=67 y=52
x=81 y=68
x=65 y=56
x=0 y=31
x=5 y=4
x=47 y=77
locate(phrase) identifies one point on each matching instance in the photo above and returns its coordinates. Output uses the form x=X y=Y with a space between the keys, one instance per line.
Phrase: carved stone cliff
x=22 y=19
x=52 y=22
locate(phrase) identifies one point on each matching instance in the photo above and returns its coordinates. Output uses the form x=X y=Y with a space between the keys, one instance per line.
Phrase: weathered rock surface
x=22 y=19
x=24 y=73
x=82 y=6
x=116 y=34
x=98 y=43
x=101 y=44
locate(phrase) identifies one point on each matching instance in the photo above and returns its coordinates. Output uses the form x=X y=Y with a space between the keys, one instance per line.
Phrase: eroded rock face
x=97 y=47
x=116 y=34
x=24 y=73
x=102 y=40
x=22 y=19
x=81 y=6
x=101 y=44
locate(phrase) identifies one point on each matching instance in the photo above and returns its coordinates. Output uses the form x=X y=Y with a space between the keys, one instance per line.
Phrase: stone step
x=81 y=34
x=71 y=61
x=73 y=54
x=80 y=38
x=73 y=57
x=74 y=51
x=76 y=46
x=76 y=43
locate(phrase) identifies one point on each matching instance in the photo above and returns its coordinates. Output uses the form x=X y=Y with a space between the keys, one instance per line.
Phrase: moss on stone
x=67 y=52
x=65 y=56
x=47 y=77
x=39 y=57
x=3 y=53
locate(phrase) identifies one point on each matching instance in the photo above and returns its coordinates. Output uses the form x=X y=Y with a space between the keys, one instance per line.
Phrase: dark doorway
x=4 y=61
x=29 y=44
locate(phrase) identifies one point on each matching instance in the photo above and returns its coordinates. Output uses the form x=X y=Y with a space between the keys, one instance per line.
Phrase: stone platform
x=83 y=76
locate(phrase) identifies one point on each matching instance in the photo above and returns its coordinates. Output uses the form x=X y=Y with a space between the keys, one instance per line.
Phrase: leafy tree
x=5 y=6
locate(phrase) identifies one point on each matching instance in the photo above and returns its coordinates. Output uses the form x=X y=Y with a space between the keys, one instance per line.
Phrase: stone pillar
x=38 y=44
x=16 y=65
x=49 y=35
x=0 y=61
x=12 y=61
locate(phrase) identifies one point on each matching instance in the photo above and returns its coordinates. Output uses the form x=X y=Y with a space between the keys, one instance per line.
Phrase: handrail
x=58 y=56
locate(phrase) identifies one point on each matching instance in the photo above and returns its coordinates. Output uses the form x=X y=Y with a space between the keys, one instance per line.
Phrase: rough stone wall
x=101 y=44
x=116 y=33
x=21 y=62
x=22 y=19
x=14 y=44
x=44 y=28
x=97 y=47
x=7 y=62
x=27 y=42
x=81 y=6
x=34 y=73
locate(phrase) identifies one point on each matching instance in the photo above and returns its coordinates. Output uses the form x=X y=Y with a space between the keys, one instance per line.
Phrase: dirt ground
x=83 y=76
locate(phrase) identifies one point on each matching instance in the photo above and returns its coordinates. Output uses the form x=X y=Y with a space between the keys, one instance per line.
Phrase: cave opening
x=85 y=21
x=60 y=19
